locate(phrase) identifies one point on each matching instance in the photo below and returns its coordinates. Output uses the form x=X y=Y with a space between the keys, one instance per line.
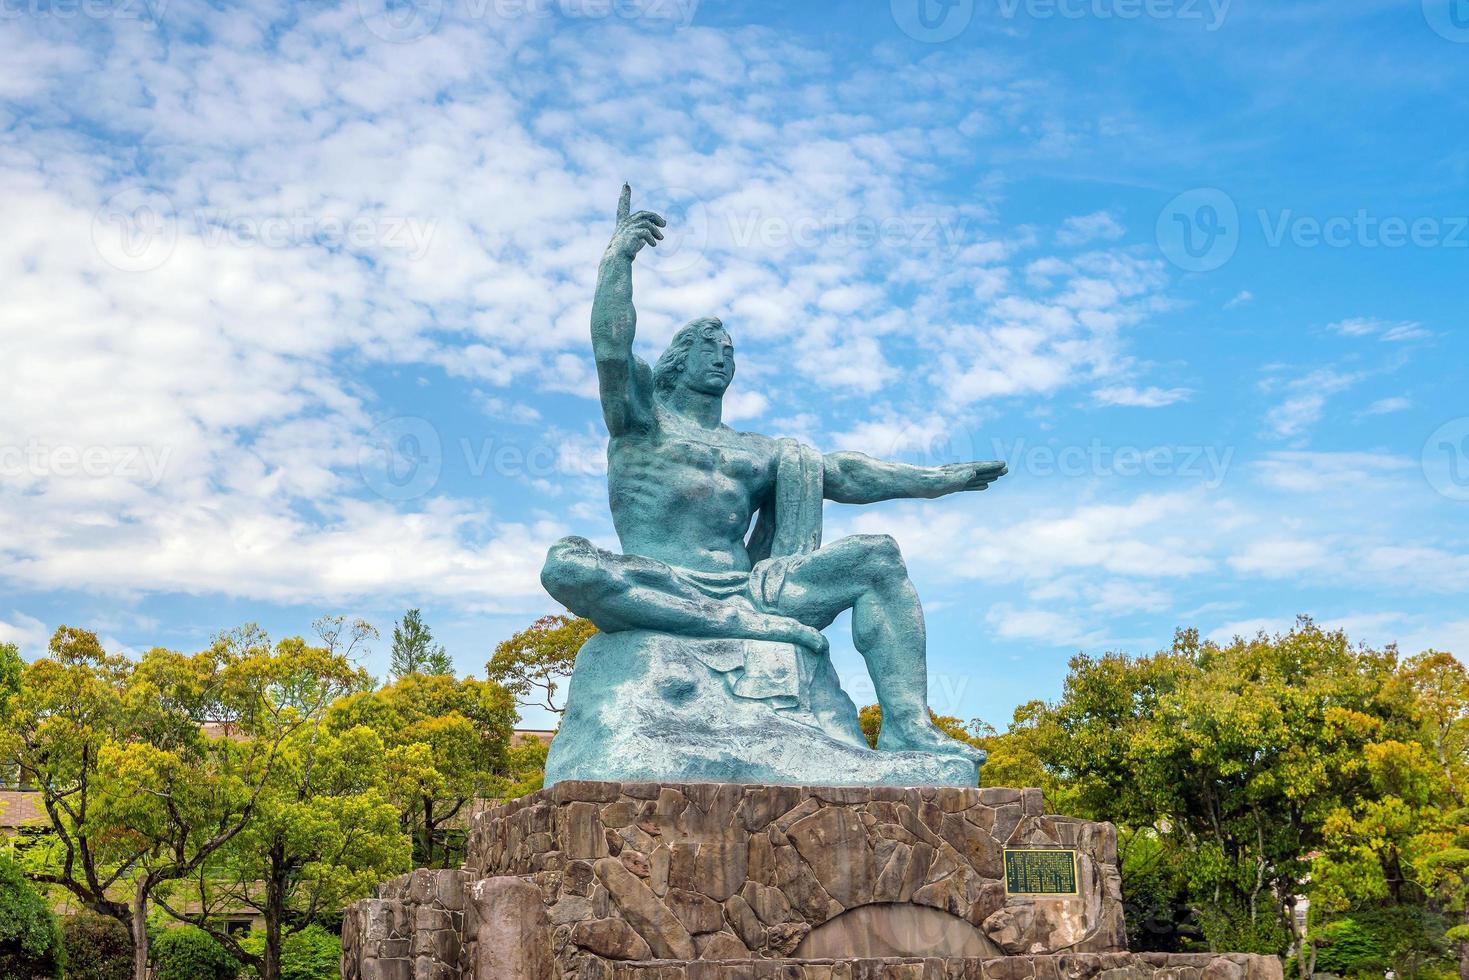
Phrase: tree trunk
x=1464 y=948
x=275 y=912
x=139 y=929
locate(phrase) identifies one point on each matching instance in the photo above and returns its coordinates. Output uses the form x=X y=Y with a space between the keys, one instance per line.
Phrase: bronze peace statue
x=711 y=664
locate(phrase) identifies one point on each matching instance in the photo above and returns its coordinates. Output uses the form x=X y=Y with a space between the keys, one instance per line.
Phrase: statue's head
x=700 y=356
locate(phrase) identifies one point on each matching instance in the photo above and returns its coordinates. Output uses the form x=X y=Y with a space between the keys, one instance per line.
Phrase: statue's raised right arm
x=626 y=383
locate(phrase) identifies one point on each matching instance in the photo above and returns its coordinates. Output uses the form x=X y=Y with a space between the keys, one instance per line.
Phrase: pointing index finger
x=624 y=203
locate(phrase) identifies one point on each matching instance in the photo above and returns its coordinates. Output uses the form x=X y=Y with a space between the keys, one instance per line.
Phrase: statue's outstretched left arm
x=852 y=478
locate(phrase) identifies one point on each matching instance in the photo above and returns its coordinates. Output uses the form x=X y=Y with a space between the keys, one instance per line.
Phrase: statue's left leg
x=865 y=573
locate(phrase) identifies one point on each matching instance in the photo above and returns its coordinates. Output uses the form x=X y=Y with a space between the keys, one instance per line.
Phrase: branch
x=220 y=936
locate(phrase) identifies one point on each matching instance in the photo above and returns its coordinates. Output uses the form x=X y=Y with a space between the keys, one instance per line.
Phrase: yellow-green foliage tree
x=140 y=795
x=1222 y=763
x=533 y=663
x=446 y=743
x=324 y=833
x=1402 y=848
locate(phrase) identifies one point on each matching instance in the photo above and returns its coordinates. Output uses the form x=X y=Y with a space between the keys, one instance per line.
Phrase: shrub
x=30 y=938
x=311 y=954
x=190 y=953
x=98 y=947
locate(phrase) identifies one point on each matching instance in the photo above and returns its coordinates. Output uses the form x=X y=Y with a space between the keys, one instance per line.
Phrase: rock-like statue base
x=651 y=707
x=642 y=881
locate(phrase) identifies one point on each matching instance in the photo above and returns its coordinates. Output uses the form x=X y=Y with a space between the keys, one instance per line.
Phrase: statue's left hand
x=973 y=476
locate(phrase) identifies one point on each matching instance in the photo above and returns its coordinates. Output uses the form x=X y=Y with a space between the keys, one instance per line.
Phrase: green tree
x=533 y=663
x=138 y=792
x=69 y=706
x=324 y=833
x=414 y=650
x=186 y=953
x=311 y=954
x=446 y=743
x=1402 y=845
x=1234 y=756
x=97 y=947
x=30 y=938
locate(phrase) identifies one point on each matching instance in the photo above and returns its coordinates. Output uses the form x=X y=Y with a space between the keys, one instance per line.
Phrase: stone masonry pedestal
x=723 y=881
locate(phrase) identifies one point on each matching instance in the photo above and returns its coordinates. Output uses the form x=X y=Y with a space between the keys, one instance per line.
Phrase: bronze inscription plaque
x=1040 y=871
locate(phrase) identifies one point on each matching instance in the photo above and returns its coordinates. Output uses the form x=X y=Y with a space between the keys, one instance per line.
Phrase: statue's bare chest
x=700 y=463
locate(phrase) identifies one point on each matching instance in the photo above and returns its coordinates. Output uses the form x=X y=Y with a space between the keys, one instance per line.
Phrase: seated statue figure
x=697 y=595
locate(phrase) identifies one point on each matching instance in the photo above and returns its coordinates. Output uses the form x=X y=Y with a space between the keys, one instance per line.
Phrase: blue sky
x=296 y=297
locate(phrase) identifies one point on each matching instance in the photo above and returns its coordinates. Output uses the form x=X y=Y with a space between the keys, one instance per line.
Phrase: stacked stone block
x=717 y=871
x=643 y=881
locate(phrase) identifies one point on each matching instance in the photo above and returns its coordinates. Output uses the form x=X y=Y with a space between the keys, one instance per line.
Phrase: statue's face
x=710 y=365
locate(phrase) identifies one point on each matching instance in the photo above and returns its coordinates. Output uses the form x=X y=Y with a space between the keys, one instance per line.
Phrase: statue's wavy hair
x=665 y=374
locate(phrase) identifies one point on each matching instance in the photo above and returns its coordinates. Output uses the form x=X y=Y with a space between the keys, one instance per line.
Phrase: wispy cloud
x=1133 y=397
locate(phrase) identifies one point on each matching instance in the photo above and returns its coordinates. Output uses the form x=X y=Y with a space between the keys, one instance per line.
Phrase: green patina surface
x=714 y=606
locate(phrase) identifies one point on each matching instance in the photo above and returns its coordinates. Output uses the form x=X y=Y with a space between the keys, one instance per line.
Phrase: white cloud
x=1306 y=399
x=1084 y=229
x=1387 y=406
x=1392 y=331
x=26 y=632
x=1240 y=299
x=1129 y=396
x=1281 y=557
x=1041 y=625
x=1323 y=474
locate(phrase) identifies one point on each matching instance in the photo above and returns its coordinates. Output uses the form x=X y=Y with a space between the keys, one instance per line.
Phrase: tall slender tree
x=414 y=649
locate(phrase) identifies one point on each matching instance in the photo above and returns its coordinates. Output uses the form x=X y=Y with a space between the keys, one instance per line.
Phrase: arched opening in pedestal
x=895 y=929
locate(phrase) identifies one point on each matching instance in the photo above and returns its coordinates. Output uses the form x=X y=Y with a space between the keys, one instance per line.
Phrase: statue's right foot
x=922 y=735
